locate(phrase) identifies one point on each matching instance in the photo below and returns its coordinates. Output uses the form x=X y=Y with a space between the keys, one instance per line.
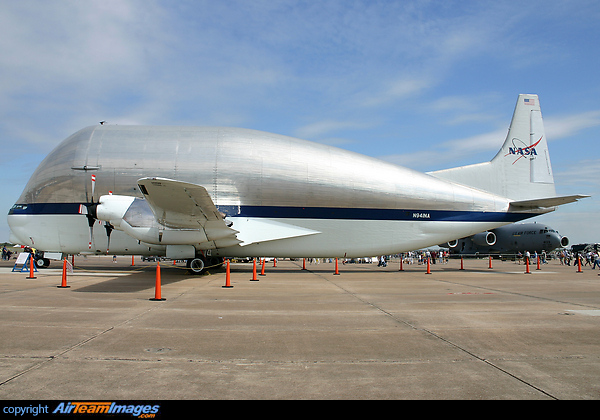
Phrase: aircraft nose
x=17 y=225
x=12 y=238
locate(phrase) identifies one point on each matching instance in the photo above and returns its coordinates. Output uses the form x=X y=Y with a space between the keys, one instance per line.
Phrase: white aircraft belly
x=350 y=238
x=70 y=234
x=301 y=237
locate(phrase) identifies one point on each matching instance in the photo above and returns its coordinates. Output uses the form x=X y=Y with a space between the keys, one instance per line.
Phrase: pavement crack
x=437 y=336
x=81 y=343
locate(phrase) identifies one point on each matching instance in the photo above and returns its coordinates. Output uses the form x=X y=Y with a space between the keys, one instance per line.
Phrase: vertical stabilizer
x=524 y=157
x=521 y=170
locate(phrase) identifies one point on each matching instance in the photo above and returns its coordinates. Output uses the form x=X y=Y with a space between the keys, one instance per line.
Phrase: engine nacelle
x=164 y=236
x=452 y=244
x=564 y=242
x=484 y=239
x=112 y=208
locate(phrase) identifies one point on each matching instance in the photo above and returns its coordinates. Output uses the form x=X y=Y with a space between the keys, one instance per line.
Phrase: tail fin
x=521 y=170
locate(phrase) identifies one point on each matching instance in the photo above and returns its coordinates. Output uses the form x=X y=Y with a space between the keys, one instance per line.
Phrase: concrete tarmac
x=368 y=333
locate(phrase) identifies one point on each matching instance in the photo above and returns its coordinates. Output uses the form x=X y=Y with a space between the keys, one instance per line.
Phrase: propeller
x=92 y=216
x=91 y=212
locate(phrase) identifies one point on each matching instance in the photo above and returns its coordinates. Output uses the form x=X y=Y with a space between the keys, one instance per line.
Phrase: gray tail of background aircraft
x=206 y=193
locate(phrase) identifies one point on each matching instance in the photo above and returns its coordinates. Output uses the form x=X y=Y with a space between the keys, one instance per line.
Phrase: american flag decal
x=529 y=101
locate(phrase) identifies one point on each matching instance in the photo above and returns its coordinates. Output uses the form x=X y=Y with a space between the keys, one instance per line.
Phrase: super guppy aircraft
x=204 y=193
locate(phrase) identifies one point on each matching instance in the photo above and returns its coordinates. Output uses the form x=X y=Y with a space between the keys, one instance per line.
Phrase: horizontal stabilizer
x=545 y=202
x=255 y=231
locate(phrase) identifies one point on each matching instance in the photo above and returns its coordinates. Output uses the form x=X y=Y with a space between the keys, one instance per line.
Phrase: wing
x=181 y=205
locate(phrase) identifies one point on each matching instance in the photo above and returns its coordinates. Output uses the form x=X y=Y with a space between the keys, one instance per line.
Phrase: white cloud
x=450 y=152
x=584 y=173
x=396 y=90
x=63 y=63
x=82 y=44
x=560 y=127
x=321 y=128
x=446 y=154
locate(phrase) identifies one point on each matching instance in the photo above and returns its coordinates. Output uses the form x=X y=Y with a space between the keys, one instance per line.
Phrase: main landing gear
x=200 y=264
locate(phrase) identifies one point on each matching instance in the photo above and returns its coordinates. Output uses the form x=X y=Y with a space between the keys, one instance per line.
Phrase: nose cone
x=13 y=239
x=19 y=226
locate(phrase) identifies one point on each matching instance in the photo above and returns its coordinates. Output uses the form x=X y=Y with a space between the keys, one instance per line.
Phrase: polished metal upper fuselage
x=240 y=167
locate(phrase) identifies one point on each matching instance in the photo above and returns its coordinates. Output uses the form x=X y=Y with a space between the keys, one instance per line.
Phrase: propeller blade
x=91 y=236
x=91 y=221
x=109 y=228
x=93 y=186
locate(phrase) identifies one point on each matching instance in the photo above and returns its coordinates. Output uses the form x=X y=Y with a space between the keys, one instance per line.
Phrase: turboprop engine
x=134 y=217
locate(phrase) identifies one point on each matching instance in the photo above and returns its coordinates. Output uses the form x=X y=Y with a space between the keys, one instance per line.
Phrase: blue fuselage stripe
x=327 y=213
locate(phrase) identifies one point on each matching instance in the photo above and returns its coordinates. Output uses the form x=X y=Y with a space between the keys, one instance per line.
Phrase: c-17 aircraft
x=205 y=193
x=513 y=238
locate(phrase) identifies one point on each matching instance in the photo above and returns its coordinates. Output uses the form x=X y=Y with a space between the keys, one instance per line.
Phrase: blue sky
x=424 y=84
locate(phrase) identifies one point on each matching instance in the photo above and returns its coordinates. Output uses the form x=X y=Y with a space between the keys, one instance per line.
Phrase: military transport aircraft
x=205 y=193
x=513 y=238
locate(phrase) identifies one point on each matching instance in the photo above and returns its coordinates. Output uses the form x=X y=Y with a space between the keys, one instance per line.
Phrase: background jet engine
x=451 y=244
x=484 y=239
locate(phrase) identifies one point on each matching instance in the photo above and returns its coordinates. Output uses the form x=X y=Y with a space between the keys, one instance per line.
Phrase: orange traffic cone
x=64 y=276
x=262 y=270
x=31 y=262
x=254 y=270
x=157 y=291
x=228 y=277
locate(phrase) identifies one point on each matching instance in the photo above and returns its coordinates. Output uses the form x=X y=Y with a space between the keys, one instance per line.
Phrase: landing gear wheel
x=42 y=262
x=215 y=262
x=196 y=265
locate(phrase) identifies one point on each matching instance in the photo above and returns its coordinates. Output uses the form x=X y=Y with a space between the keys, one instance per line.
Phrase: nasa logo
x=521 y=150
